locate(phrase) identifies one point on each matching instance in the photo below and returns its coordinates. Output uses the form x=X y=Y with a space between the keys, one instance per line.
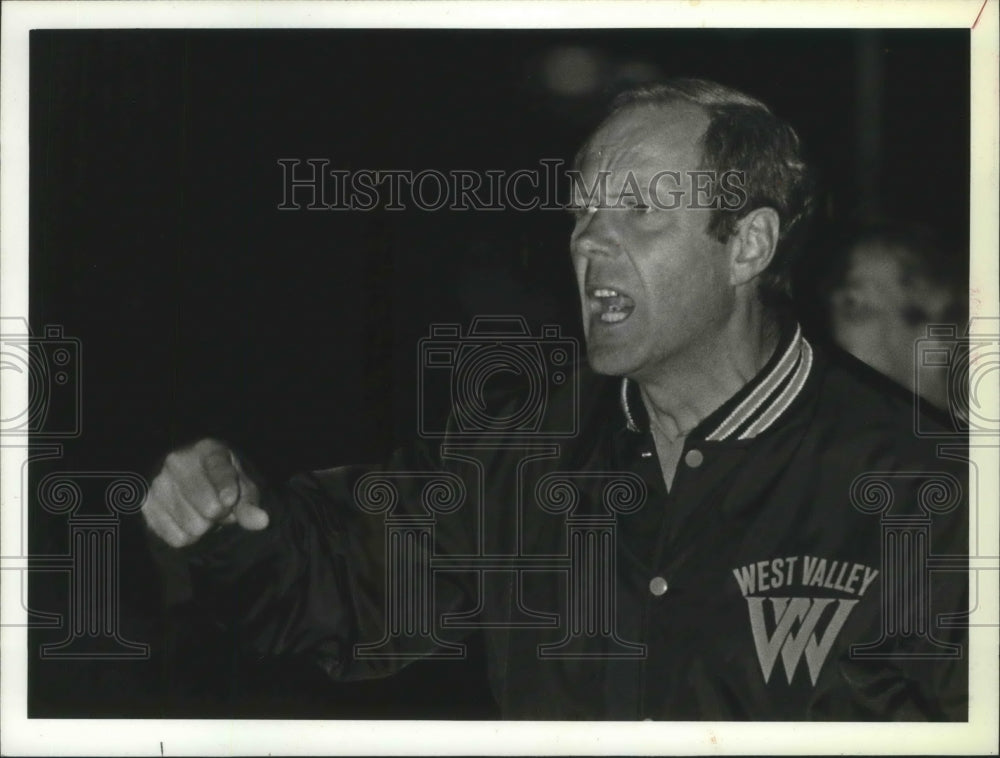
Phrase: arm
x=298 y=569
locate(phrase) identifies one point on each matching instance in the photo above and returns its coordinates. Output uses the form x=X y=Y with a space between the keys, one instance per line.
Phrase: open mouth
x=612 y=306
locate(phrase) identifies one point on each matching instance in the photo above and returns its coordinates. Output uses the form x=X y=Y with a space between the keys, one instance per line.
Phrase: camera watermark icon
x=968 y=364
x=908 y=561
x=499 y=381
x=41 y=377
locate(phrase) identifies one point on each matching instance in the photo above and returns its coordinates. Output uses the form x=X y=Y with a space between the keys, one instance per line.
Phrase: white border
x=142 y=737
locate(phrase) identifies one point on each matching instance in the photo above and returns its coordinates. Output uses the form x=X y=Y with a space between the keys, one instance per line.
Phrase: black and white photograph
x=412 y=377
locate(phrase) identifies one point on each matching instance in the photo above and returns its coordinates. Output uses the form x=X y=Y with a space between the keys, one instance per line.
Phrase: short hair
x=744 y=135
x=924 y=258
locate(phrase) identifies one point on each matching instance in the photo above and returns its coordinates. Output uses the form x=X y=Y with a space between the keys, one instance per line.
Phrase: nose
x=594 y=235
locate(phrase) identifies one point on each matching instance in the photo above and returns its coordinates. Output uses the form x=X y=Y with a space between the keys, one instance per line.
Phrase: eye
x=634 y=205
x=853 y=307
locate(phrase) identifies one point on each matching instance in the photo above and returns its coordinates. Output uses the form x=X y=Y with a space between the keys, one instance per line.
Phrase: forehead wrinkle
x=639 y=160
x=648 y=139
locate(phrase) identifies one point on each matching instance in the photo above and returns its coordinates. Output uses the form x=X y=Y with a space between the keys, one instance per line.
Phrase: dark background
x=204 y=310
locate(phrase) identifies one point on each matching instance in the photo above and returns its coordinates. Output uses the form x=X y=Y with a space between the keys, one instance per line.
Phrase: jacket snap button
x=658 y=585
x=694 y=458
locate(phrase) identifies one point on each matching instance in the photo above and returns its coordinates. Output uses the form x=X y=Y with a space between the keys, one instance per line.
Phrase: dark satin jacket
x=808 y=561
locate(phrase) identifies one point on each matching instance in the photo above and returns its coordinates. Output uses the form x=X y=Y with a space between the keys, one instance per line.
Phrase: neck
x=693 y=385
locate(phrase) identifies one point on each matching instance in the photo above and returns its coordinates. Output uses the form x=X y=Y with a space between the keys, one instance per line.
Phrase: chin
x=608 y=361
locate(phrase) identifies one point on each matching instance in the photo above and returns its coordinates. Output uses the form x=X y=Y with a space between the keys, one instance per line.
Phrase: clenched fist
x=197 y=488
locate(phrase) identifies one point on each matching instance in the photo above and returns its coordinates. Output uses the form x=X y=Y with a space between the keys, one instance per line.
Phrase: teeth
x=610 y=305
x=612 y=317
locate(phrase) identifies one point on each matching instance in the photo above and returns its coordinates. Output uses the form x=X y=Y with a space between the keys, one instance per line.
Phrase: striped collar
x=756 y=406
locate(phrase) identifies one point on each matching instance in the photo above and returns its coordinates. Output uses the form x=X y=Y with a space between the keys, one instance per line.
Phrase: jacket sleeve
x=323 y=579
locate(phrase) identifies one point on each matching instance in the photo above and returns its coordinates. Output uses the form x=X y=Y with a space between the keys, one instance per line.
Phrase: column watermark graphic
x=908 y=560
x=965 y=360
x=93 y=566
x=589 y=564
x=44 y=373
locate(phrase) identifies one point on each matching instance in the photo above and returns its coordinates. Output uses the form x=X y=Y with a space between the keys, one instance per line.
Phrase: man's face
x=654 y=285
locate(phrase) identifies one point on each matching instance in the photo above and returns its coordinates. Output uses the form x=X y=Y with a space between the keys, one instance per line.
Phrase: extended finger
x=250 y=516
x=223 y=475
x=248 y=492
x=248 y=513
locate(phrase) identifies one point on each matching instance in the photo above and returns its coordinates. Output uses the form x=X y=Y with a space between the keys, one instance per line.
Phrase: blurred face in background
x=880 y=310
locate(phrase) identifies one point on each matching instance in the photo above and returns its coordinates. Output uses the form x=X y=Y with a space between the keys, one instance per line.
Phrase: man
x=707 y=544
x=887 y=285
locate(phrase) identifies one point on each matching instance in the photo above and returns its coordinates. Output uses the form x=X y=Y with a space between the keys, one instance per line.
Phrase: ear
x=752 y=244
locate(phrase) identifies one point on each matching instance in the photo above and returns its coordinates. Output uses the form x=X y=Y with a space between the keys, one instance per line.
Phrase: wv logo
x=794 y=623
